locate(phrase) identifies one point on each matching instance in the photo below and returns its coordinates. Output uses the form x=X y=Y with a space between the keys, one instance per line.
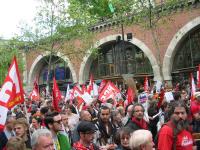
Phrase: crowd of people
x=104 y=126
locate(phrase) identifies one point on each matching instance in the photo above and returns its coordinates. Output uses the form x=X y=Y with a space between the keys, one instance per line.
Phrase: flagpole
x=123 y=95
x=27 y=118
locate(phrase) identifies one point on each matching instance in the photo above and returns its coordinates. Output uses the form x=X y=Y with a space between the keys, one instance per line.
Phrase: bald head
x=85 y=116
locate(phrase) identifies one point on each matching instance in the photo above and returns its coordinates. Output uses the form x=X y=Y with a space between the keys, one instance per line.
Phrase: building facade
x=168 y=52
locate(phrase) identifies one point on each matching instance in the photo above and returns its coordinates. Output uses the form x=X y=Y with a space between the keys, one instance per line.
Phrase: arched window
x=59 y=69
x=187 y=57
x=118 y=58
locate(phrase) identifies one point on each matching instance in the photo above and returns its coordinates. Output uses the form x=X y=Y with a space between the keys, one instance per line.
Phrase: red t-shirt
x=79 y=146
x=165 y=140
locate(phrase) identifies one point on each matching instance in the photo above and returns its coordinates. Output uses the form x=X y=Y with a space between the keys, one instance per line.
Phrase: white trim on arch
x=85 y=65
x=172 y=48
x=40 y=57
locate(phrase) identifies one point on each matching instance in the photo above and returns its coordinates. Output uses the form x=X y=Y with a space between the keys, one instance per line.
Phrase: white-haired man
x=141 y=140
x=42 y=140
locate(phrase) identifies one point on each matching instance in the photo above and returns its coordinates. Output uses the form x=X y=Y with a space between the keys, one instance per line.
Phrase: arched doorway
x=59 y=70
x=187 y=57
x=179 y=39
x=117 y=58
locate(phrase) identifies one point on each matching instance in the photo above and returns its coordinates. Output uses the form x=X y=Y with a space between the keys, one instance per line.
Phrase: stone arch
x=35 y=67
x=174 y=44
x=87 y=60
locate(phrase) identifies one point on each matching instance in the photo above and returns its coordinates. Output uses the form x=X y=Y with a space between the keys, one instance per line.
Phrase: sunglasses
x=90 y=132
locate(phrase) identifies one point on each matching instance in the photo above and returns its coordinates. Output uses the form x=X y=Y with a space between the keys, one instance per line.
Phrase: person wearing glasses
x=176 y=134
x=84 y=116
x=53 y=122
x=86 y=131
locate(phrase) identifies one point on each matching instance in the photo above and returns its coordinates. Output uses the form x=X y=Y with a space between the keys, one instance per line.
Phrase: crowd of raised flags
x=12 y=92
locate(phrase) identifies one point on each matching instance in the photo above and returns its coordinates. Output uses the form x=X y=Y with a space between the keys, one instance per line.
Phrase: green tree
x=9 y=49
x=52 y=27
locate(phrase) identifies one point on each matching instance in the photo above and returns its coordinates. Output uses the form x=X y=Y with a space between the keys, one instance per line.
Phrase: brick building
x=168 y=52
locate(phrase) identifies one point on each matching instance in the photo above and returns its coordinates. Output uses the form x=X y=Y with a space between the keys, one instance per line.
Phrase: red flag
x=36 y=85
x=198 y=77
x=146 y=85
x=130 y=95
x=84 y=89
x=90 y=86
x=103 y=83
x=80 y=101
x=193 y=87
x=56 y=95
x=11 y=92
x=77 y=92
x=109 y=91
x=161 y=97
x=34 y=95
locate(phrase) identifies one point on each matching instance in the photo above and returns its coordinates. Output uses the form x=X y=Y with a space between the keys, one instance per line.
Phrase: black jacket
x=130 y=124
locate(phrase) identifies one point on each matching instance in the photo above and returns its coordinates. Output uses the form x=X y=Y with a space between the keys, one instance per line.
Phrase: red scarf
x=79 y=146
x=141 y=123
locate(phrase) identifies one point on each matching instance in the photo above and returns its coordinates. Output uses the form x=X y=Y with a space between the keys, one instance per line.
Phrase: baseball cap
x=86 y=127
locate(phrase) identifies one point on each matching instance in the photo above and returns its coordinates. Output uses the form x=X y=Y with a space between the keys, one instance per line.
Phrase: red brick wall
x=165 y=31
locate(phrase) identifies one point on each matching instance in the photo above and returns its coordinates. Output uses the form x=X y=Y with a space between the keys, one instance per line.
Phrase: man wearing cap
x=84 y=116
x=86 y=130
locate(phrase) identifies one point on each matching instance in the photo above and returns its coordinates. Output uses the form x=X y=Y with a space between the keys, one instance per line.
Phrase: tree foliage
x=97 y=10
x=8 y=50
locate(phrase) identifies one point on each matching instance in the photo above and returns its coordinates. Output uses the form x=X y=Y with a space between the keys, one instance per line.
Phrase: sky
x=12 y=12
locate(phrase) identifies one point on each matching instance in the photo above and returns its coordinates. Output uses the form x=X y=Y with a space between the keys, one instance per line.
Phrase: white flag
x=87 y=98
x=95 y=90
x=67 y=96
x=3 y=116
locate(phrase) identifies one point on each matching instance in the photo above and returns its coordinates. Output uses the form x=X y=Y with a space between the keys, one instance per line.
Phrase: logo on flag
x=109 y=91
x=11 y=92
x=34 y=95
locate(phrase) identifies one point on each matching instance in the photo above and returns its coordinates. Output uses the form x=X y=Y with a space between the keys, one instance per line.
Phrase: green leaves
x=9 y=49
